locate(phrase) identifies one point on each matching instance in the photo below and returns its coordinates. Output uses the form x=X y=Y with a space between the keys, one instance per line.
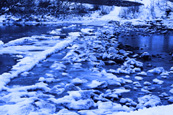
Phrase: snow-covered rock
x=137 y=84
x=170 y=100
x=1 y=44
x=157 y=81
x=157 y=70
x=171 y=69
x=171 y=91
x=47 y=80
x=148 y=101
x=142 y=73
x=145 y=56
x=66 y=112
x=128 y=101
x=138 y=78
x=97 y=84
x=146 y=83
x=79 y=81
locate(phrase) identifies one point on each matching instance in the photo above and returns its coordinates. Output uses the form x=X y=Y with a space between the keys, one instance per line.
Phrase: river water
x=154 y=44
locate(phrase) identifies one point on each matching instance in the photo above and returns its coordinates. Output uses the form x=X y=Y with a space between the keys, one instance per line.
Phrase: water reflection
x=152 y=44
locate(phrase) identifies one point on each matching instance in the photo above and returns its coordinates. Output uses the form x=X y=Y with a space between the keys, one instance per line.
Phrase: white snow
x=142 y=73
x=171 y=69
x=138 y=78
x=171 y=91
x=157 y=81
x=148 y=101
x=159 y=110
x=157 y=70
x=1 y=44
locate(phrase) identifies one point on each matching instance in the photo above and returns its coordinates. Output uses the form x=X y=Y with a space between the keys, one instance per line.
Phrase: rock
x=113 y=83
x=172 y=86
x=164 y=77
x=145 y=91
x=71 y=87
x=164 y=95
x=164 y=73
x=80 y=104
x=110 y=62
x=136 y=69
x=145 y=56
x=142 y=73
x=121 y=51
x=120 y=90
x=66 y=112
x=171 y=91
x=148 y=101
x=149 y=65
x=146 y=83
x=171 y=69
x=47 y=80
x=97 y=84
x=105 y=105
x=157 y=70
x=149 y=88
x=128 y=81
x=127 y=87
x=1 y=44
x=112 y=50
x=170 y=100
x=128 y=102
x=79 y=81
x=127 y=76
x=157 y=81
x=137 y=84
x=138 y=78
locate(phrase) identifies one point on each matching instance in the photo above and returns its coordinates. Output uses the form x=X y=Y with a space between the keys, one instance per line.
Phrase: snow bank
x=159 y=110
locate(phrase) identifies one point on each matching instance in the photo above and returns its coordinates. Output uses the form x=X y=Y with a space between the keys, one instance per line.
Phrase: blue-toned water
x=155 y=44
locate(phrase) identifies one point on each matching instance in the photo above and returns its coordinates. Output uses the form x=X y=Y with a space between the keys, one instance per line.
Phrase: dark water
x=8 y=33
x=6 y=62
x=154 y=44
x=12 y=32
